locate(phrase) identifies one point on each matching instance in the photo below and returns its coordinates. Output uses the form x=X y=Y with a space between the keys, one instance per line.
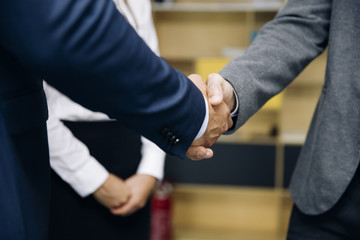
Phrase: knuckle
x=211 y=76
x=225 y=128
x=226 y=112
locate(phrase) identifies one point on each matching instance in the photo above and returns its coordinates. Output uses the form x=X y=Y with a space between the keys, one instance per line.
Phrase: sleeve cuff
x=205 y=122
x=152 y=160
x=89 y=178
x=235 y=112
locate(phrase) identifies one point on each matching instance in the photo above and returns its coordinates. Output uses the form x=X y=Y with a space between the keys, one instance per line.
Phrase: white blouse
x=69 y=157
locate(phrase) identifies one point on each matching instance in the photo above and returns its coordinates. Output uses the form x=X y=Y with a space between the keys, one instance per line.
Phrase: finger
x=125 y=199
x=199 y=152
x=124 y=210
x=117 y=211
x=120 y=203
x=195 y=77
x=130 y=210
x=214 y=88
x=196 y=152
x=230 y=122
x=198 y=81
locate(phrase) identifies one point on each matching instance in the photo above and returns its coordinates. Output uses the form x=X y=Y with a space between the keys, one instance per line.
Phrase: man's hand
x=141 y=186
x=219 y=122
x=113 y=193
x=219 y=90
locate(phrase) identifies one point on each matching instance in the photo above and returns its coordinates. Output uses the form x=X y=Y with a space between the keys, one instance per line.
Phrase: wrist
x=104 y=188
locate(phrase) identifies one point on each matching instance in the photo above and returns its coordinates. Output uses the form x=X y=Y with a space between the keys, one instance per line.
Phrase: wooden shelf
x=211 y=234
x=223 y=212
x=251 y=139
x=255 y=6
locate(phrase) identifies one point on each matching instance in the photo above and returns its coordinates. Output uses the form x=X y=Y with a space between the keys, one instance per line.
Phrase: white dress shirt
x=69 y=157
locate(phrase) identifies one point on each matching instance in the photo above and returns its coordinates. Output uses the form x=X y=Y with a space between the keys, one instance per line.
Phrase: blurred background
x=242 y=193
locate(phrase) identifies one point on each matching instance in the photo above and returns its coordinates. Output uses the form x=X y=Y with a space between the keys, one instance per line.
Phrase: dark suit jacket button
x=169 y=135
x=175 y=141
x=165 y=131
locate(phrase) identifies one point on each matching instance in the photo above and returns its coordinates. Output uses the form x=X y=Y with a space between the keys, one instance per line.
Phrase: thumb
x=214 y=89
x=199 y=152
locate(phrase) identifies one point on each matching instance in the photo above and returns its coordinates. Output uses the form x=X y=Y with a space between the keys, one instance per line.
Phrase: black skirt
x=72 y=217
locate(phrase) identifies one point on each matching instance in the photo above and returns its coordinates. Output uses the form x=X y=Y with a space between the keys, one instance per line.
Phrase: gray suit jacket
x=282 y=49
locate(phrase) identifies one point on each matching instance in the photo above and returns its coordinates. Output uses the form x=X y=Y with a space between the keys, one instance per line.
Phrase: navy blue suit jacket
x=88 y=51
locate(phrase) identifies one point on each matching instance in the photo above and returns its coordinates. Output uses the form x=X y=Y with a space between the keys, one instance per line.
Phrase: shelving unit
x=185 y=28
x=254 y=6
x=191 y=32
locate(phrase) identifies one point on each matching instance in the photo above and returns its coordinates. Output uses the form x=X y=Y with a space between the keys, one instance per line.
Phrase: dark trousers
x=342 y=222
x=75 y=218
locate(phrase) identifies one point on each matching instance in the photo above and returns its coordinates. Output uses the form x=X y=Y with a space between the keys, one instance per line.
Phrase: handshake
x=221 y=101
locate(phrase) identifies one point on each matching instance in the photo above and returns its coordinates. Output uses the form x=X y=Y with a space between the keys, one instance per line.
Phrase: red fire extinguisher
x=161 y=222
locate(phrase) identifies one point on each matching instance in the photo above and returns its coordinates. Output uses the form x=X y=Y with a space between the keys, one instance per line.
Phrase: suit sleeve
x=281 y=50
x=88 y=51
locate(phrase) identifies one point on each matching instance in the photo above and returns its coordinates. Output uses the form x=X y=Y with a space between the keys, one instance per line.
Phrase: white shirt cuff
x=235 y=112
x=152 y=160
x=88 y=178
x=205 y=122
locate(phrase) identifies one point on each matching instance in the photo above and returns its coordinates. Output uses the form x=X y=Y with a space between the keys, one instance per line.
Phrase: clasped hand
x=220 y=100
x=124 y=197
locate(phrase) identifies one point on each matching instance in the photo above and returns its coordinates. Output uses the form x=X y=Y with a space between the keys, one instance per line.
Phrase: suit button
x=172 y=139
x=165 y=131
x=175 y=141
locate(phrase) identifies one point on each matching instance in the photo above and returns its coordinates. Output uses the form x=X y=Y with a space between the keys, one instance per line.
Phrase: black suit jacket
x=87 y=50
